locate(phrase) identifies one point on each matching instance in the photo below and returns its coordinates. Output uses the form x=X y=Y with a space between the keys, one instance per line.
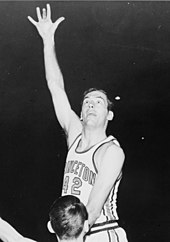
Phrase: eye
x=99 y=101
x=86 y=101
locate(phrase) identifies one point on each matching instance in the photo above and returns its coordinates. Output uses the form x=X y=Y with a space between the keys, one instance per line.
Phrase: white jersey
x=80 y=174
x=79 y=178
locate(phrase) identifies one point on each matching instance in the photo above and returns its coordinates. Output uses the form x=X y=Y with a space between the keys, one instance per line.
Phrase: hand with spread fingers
x=46 y=28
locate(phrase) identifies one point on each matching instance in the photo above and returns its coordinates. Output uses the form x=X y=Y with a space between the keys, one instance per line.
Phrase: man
x=68 y=220
x=94 y=162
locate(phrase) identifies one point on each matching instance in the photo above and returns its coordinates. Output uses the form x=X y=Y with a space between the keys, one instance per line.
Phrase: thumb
x=58 y=21
x=32 y=20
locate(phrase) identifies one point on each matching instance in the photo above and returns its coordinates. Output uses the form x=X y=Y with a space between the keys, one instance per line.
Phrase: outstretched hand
x=46 y=28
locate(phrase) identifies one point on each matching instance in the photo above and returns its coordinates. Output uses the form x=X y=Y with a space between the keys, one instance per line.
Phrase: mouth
x=91 y=114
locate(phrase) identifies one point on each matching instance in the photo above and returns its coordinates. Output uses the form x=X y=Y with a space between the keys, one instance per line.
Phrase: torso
x=81 y=171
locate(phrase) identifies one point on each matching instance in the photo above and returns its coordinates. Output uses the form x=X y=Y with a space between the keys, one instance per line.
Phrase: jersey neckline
x=109 y=138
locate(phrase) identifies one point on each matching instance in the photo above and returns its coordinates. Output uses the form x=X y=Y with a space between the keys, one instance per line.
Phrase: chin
x=90 y=124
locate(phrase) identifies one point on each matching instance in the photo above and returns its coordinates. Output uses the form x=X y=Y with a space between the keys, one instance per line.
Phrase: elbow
x=96 y=214
x=93 y=216
x=50 y=82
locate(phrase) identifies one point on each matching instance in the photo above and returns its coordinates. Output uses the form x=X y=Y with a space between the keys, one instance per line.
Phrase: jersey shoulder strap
x=75 y=142
x=107 y=140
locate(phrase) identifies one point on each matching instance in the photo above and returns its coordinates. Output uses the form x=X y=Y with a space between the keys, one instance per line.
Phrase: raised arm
x=67 y=118
x=109 y=168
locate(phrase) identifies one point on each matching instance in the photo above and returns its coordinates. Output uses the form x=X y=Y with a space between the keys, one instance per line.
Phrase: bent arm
x=108 y=171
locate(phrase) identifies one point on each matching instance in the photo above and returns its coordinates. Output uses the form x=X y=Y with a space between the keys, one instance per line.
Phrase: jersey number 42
x=75 y=184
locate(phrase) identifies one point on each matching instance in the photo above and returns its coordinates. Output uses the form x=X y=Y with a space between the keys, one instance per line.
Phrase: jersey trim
x=74 y=141
x=108 y=213
x=112 y=224
x=107 y=139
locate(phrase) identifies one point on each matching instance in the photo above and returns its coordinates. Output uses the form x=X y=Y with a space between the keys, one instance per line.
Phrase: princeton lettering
x=80 y=169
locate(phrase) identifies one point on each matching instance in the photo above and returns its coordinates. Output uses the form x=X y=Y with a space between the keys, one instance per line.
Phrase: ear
x=110 y=115
x=81 y=118
x=58 y=239
x=86 y=226
x=50 y=229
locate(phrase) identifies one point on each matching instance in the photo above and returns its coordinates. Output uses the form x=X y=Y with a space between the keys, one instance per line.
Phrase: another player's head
x=96 y=107
x=68 y=219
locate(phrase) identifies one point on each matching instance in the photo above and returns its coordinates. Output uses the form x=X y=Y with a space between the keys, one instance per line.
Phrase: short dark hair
x=67 y=216
x=92 y=89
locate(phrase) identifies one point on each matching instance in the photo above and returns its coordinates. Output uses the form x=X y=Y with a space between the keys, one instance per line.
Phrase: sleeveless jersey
x=80 y=174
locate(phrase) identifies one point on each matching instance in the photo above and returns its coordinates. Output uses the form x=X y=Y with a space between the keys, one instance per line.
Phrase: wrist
x=49 y=40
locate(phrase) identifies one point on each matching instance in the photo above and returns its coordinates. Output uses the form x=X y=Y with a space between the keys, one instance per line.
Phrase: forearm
x=95 y=204
x=8 y=233
x=52 y=69
x=93 y=215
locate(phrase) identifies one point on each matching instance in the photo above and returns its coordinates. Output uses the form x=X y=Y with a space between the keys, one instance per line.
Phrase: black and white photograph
x=84 y=120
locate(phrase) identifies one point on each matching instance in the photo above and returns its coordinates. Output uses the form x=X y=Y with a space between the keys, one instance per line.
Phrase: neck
x=91 y=137
x=80 y=239
x=70 y=240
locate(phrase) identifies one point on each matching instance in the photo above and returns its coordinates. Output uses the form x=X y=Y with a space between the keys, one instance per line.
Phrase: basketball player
x=94 y=162
x=68 y=220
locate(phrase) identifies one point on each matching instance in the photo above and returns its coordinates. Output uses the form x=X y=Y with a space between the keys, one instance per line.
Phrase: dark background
x=122 y=47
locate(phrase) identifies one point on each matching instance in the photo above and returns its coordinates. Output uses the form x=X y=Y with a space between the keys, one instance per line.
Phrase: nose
x=91 y=105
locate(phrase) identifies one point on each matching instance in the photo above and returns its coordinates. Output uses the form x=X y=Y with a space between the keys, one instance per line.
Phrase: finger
x=58 y=21
x=44 y=14
x=32 y=20
x=38 y=13
x=48 y=11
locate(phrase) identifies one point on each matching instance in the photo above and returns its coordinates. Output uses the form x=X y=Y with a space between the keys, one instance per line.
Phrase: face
x=95 y=109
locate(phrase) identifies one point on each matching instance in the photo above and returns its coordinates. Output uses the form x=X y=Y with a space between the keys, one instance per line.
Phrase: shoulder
x=109 y=153
x=109 y=148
